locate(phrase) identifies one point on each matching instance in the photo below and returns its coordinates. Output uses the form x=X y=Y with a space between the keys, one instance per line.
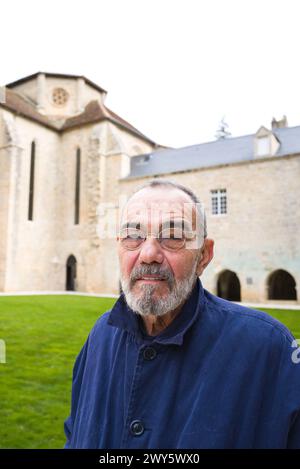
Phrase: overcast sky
x=172 y=68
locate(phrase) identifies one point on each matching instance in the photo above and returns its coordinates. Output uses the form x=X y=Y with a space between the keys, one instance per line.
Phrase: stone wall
x=259 y=234
x=30 y=244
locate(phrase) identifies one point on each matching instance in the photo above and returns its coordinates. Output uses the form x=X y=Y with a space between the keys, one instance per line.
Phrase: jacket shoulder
x=100 y=324
x=257 y=322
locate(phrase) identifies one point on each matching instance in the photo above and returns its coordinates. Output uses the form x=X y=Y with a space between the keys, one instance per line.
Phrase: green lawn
x=288 y=317
x=43 y=335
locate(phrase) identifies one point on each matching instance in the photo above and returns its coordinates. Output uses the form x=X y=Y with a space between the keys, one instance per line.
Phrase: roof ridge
x=214 y=141
x=94 y=111
x=26 y=109
x=118 y=119
x=229 y=139
x=57 y=75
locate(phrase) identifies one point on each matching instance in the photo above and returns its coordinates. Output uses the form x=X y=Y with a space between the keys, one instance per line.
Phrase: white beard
x=144 y=304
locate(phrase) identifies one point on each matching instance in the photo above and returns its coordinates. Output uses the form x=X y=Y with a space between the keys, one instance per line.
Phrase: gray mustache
x=142 y=270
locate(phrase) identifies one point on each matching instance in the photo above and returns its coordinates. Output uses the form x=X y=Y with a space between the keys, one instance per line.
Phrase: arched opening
x=228 y=286
x=281 y=286
x=71 y=273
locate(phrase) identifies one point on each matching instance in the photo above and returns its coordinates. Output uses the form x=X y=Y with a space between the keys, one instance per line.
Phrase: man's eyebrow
x=168 y=224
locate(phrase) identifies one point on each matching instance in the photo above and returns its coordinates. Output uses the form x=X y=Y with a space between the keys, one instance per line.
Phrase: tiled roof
x=23 y=107
x=93 y=112
x=96 y=112
x=219 y=152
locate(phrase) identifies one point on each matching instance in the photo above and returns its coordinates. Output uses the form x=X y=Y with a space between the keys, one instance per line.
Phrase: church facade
x=67 y=162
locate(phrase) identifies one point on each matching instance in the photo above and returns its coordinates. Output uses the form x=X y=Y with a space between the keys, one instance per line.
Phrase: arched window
x=281 y=286
x=228 y=286
x=77 y=186
x=71 y=272
x=31 y=181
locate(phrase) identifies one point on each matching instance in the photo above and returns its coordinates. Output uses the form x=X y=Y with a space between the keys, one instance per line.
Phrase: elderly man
x=171 y=365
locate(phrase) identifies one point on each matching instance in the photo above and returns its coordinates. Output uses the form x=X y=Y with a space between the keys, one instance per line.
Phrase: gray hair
x=167 y=183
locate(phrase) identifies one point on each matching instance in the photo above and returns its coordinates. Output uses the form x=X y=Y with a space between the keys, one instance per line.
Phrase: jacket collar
x=123 y=317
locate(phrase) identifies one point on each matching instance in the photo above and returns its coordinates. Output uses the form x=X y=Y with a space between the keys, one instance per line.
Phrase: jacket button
x=137 y=428
x=149 y=353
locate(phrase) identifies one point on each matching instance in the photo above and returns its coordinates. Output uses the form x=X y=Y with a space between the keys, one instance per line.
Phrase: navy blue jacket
x=219 y=376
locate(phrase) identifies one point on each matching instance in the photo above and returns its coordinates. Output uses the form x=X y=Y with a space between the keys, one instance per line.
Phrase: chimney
x=280 y=123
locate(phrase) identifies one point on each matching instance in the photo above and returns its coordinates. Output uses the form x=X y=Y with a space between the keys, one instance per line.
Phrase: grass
x=289 y=318
x=43 y=335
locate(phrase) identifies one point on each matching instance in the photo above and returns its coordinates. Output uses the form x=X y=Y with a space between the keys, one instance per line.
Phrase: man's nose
x=151 y=251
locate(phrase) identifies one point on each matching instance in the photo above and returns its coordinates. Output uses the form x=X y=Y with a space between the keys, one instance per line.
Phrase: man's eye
x=178 y=235
x=130 y=235
x=134 y=236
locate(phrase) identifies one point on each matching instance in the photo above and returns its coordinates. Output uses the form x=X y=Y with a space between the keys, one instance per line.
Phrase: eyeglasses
x=171 y=239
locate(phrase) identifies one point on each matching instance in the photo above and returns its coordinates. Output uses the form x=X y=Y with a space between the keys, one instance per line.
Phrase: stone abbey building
x=65 y=159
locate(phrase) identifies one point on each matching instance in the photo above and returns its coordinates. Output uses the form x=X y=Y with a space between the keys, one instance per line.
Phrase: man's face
x=156 y=280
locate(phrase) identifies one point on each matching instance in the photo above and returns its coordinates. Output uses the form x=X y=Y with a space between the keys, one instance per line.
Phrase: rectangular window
x=263 y=146
x=218 y=201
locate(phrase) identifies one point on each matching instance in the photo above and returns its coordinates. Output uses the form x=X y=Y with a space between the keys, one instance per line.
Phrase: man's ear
x=207 y=253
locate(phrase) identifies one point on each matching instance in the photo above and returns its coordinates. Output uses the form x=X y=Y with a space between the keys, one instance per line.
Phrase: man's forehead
x=162 y=206
x=170 y=200
x=150 y=212
x=159 y=194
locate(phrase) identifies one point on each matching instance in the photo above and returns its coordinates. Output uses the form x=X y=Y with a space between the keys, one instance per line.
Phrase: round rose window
x=60 y=96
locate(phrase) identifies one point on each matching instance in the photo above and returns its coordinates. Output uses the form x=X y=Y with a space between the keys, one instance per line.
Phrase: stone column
x=80 y=95
x=13 y=152
x=41 y=92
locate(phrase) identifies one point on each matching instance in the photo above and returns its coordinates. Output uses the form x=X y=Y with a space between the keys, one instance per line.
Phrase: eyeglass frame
x=157 y=236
